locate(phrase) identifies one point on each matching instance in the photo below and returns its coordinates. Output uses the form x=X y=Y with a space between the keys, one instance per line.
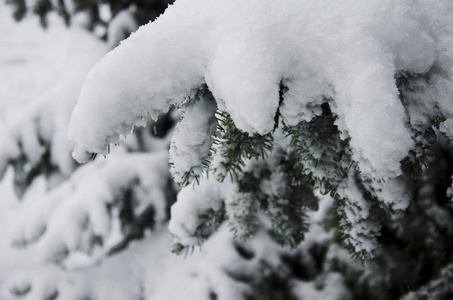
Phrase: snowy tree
x=353 y=118
x=122 y=203
x=306 y=128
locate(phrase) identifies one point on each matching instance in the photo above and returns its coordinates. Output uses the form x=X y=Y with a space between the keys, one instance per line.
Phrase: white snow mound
x=349 y=50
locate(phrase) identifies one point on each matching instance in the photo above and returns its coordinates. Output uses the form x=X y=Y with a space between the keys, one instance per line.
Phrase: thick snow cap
x=350 y=50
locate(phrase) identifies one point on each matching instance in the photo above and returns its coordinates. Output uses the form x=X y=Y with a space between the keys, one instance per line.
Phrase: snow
x=363 y=231
x=50 y=63
x=61 y=218
x=9 y=149
x=194 y=201
x=23 y=72
x=335 y=289
x=347 y=52
x=193 y=138
x=121 y=26
x=304 y=98
x=242 y=51
x=51 y=75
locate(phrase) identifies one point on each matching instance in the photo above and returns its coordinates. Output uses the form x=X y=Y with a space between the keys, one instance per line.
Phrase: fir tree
x=330 y=165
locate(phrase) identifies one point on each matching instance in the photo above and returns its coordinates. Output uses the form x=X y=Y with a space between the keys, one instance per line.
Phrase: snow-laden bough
x=349 y=55
x=242 y=50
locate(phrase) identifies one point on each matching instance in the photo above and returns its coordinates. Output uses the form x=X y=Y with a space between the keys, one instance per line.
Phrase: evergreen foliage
x=199 y=108
x=316 y=159
x=234 y=146
x=376 y=238
x=324 y=155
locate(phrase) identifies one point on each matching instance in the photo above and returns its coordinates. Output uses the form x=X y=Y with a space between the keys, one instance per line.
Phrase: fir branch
x=180 y=249
x=63 y=12
x=198 y=152
x=208 y=223
x=324 y=156
x=20 y=9
x=234 y=146
x=287 y=205
x=282 y=89
x=282 y=191
x=421 y=119
x=25 y=172
x=242 y=214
